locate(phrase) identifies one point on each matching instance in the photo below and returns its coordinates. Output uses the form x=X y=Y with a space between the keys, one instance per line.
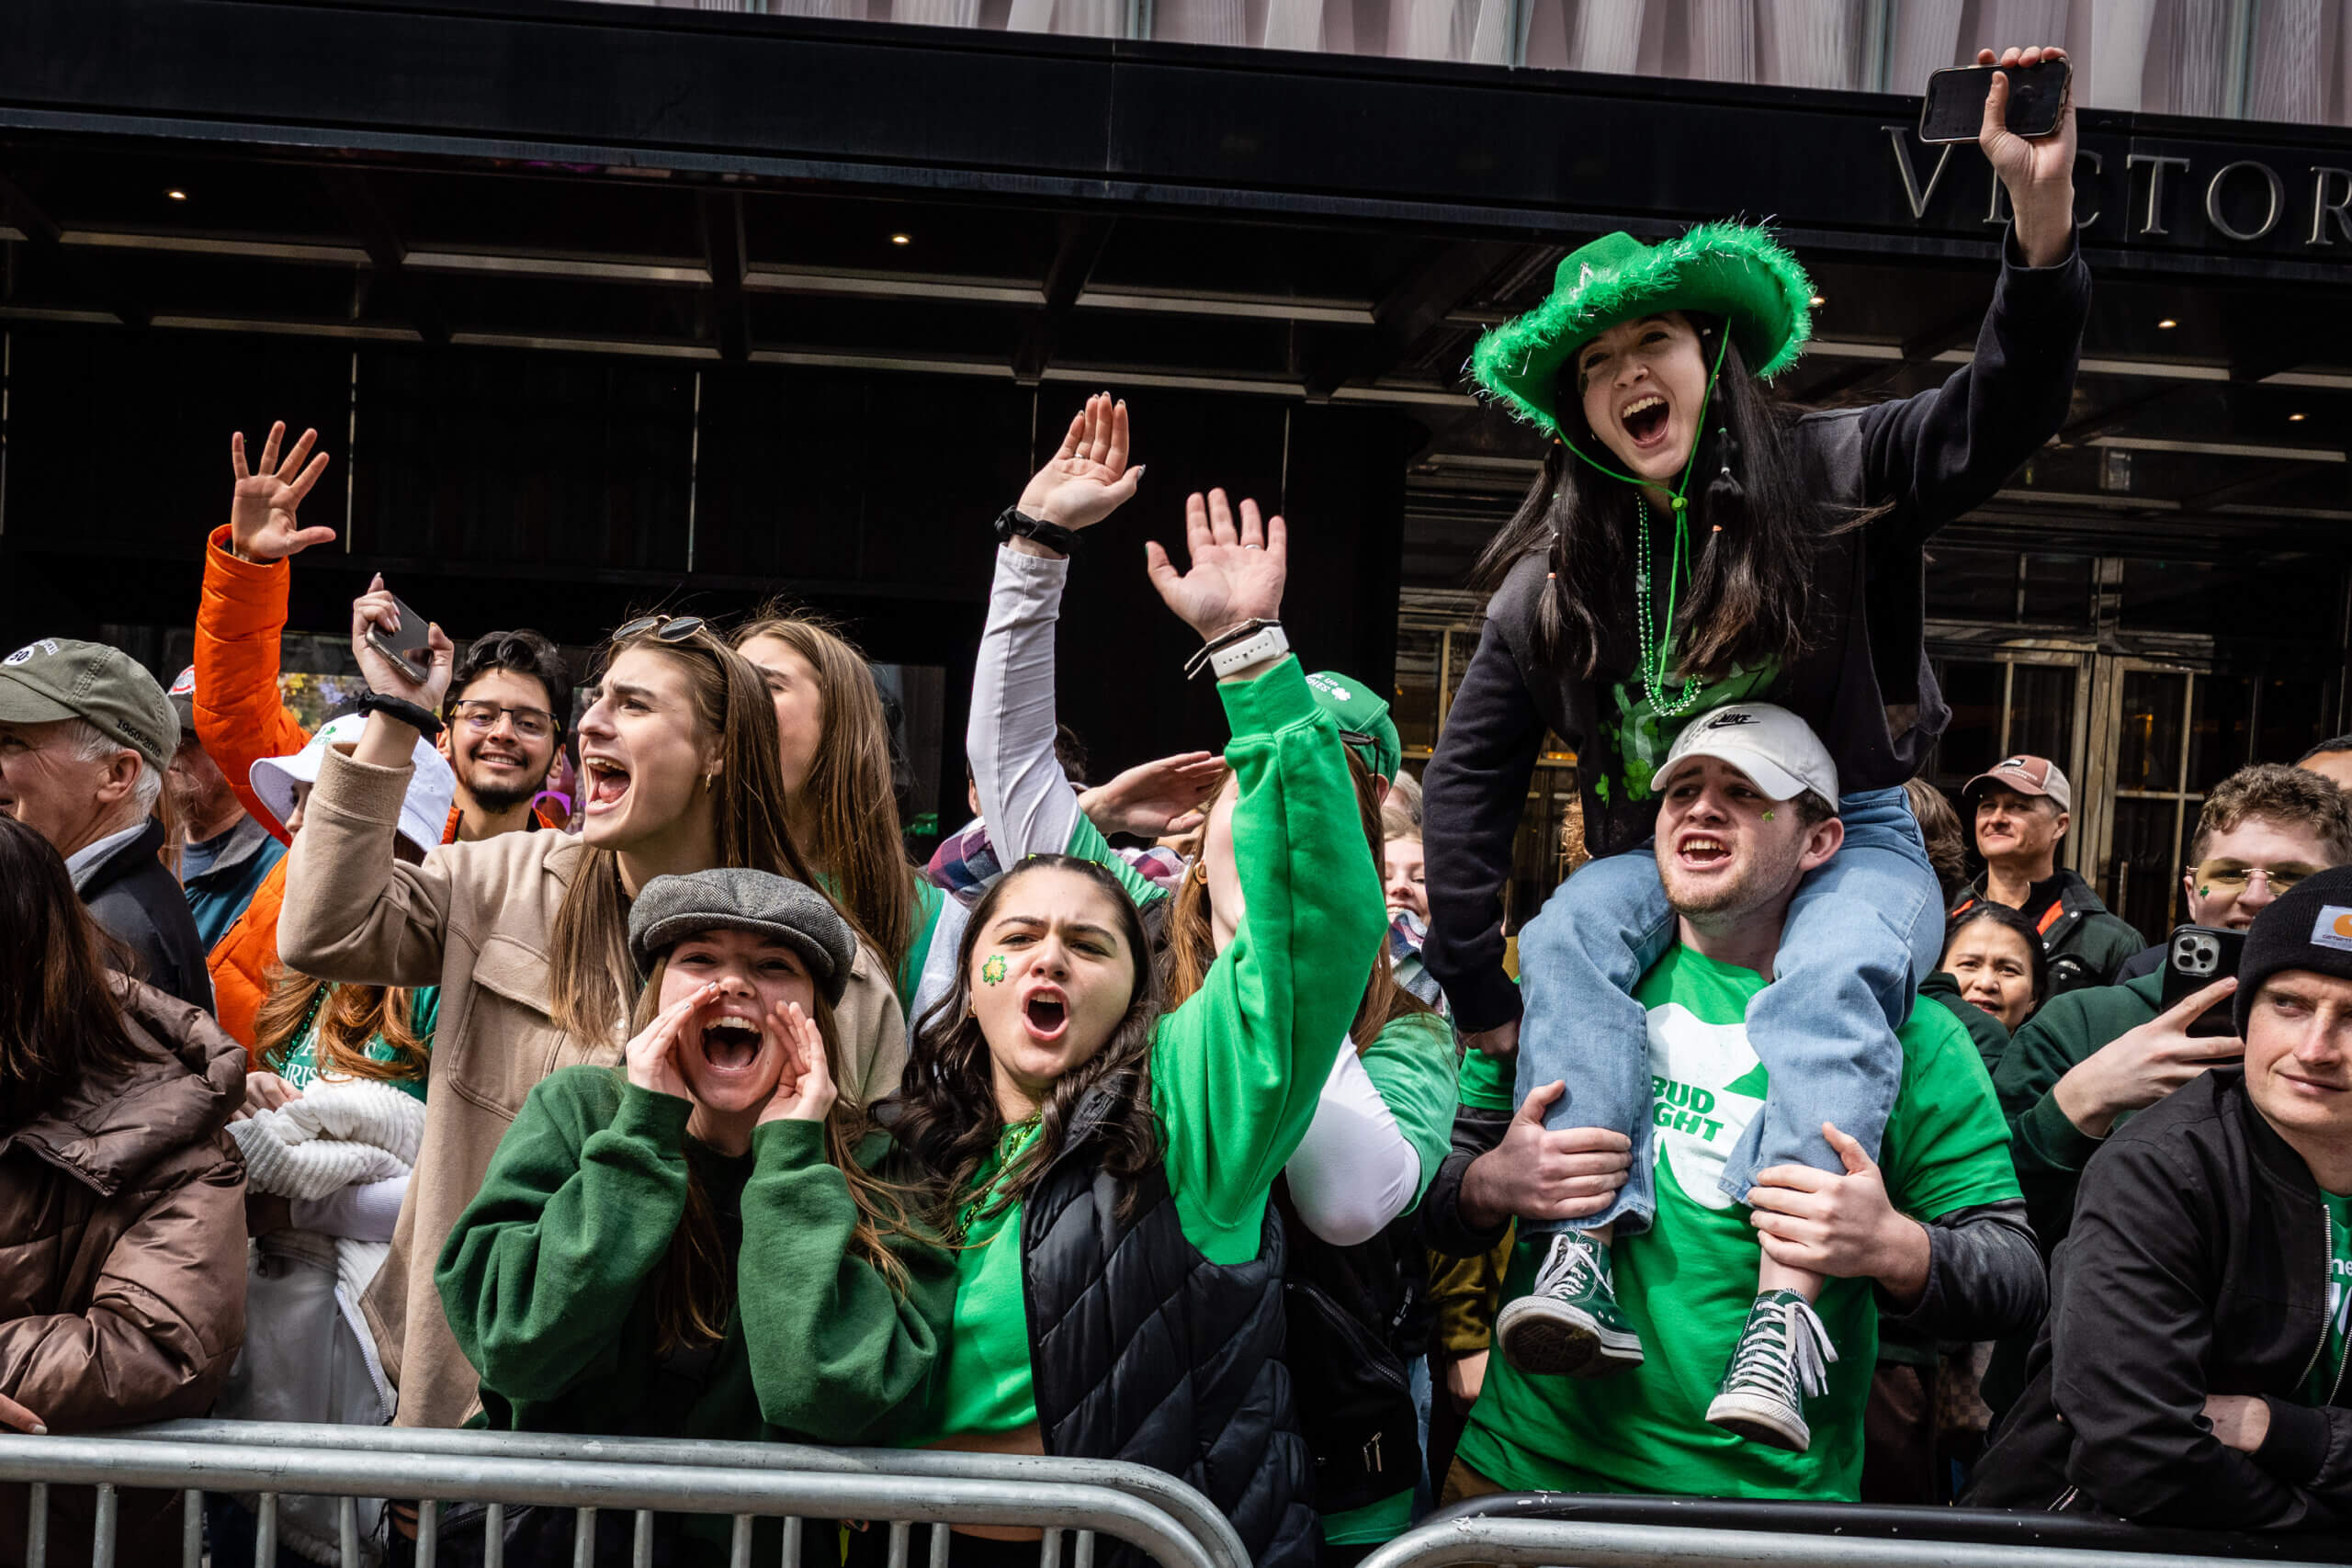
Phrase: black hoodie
x=2197 y=1265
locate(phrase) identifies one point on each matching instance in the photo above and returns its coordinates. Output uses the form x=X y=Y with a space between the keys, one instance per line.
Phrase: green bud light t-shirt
x=2327 y=1367
x=1686 y=1282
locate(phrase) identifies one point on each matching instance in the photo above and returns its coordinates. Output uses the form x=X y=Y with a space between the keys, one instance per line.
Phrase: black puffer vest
x=1142 y=1350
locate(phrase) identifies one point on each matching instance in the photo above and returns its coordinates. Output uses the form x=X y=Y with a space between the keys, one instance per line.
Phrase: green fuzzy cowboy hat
x=1736 y=271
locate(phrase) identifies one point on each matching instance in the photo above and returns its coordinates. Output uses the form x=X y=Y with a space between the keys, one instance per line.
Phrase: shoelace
x=1579 y=1269
x=1795 y=1331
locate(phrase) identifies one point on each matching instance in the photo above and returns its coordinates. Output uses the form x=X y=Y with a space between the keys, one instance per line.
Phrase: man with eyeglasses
x=510 y=701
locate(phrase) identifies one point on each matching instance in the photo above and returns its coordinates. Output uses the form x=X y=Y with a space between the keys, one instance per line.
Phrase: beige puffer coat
x=122 y=1259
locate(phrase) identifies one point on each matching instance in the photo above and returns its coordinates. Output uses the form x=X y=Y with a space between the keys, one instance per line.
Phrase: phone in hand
x=1953 y=108
x=411 y=648
x=2195 y=956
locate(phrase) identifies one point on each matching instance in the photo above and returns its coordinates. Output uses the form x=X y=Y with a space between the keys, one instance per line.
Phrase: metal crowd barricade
x=1535 y=1530
x=1069 y=1499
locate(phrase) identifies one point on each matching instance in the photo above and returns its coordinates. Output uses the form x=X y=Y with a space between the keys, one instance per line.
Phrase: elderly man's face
x=67 y=799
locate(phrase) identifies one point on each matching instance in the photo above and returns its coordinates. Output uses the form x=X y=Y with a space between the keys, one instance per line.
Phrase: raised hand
x=2038 y=171
x=805 y=1092
x=385 y=677
x=1237 y=571
x=1151 y=800
x=1536 y=1174
x=1089 y=478
x=652 y=1056
x=1844 y=1227
x=262 y=525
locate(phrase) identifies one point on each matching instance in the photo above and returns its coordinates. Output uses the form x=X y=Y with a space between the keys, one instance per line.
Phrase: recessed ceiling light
x=1819 y=300
x=2294 y=419
x=902 y=239
x=176 y=194
x=2166 y=325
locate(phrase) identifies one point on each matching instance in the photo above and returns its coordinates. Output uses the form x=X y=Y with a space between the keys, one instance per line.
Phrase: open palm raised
x=1088 y=478
x=261 y=521
x=1237 y=571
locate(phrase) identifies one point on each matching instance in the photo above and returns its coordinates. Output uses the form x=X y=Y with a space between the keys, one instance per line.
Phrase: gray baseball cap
x=57 y=678
x=669 y=909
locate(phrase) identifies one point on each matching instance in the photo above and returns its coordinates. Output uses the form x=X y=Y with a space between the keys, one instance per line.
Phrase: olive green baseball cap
x=1364 y=723
x=57 y=678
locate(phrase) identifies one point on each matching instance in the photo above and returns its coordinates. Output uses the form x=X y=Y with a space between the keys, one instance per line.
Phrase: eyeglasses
x=531 y=724
x=665 y=628
x=2230 y=878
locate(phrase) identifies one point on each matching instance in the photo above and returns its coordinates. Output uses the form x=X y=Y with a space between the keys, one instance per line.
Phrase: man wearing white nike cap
x=1739 y=1306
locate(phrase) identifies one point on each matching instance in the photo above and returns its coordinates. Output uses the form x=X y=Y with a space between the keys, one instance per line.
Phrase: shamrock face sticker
x=993 y=970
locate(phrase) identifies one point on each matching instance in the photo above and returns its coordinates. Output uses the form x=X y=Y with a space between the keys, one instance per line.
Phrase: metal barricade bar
x=1536 y=1543
x=1182 y=1503
x=869 y=1492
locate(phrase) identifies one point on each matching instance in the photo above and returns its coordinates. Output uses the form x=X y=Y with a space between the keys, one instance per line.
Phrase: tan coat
x=476 y=919
x=122 y=1259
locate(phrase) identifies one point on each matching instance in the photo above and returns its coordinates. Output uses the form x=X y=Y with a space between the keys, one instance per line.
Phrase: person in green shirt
x=1106 y=1163
x=1933 y=1230
x=693 y=1246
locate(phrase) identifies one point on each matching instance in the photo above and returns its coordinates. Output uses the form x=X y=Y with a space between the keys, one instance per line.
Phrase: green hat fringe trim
x=1734 y=270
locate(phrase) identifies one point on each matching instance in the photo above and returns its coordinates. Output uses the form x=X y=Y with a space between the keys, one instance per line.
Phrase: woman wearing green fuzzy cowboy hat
x=1690 y=545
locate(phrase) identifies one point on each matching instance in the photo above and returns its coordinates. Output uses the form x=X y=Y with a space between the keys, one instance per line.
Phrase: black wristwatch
x=417 y=718
x=1053 y=535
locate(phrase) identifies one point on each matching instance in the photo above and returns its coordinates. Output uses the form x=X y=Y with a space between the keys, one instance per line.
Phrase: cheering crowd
x=365 y=1075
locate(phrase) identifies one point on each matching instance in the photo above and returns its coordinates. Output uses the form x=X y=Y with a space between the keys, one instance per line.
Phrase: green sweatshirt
x=2050 y=1150
x=546 y=1279
x=1236 y=1072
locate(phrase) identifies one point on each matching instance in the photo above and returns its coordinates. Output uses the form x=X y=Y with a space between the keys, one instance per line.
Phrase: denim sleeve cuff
x=2296 y=1445
x=2057 y=1143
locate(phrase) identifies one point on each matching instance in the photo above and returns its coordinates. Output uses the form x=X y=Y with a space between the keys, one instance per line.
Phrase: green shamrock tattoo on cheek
x=993 y=970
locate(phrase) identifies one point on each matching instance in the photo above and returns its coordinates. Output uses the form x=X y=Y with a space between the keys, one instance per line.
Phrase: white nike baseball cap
x=1778 y=751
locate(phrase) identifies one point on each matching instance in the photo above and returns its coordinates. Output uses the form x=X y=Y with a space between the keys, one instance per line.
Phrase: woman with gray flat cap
x=690 y=1245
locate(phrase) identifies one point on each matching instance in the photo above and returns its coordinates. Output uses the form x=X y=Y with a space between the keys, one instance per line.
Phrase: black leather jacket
x=142 y=905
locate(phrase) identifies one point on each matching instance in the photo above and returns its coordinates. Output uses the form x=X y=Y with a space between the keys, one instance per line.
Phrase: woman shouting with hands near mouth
x=527 y=934
x=1692 y=545
x=1103 y=1165
x=690 y=1246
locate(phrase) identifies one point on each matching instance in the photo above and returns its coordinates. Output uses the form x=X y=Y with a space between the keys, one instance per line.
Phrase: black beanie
x=2309 y=927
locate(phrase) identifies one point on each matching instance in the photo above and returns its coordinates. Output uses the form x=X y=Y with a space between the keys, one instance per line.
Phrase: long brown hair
x=694 y=1289
x=588 y=965
x=60 y=1018
x=1192 y=939
x=848 y=796
x=348 y=1018
x=947 y=1115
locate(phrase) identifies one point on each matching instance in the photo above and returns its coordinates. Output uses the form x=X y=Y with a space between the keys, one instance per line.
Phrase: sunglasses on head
x=664 y=628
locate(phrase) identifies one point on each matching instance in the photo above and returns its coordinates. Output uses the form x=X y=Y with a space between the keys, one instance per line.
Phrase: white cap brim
x=1775 y=781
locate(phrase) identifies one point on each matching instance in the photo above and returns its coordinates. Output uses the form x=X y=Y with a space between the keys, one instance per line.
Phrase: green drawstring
x=1657 y=648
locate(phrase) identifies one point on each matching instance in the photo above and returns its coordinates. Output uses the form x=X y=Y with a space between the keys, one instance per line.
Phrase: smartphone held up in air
x=1953 y=108
x=411 y=648
x=2195 y=956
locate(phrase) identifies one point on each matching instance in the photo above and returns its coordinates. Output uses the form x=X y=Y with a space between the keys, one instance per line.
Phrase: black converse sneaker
x=1570 y=1325
x=1782 y=1357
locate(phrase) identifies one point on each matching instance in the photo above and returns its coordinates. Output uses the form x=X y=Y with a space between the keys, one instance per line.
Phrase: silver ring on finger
x=1254 y=546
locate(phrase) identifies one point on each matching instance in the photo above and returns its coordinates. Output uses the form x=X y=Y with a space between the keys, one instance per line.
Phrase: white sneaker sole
x=1547 y=1338
x=1760 y=1420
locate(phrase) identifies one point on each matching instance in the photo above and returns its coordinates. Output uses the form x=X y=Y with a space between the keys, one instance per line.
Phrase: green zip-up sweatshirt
x=547 y=1279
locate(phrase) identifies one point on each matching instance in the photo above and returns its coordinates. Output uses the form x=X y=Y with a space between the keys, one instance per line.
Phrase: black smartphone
x=411 y=648
x=2195 y=956
x=1953 y=108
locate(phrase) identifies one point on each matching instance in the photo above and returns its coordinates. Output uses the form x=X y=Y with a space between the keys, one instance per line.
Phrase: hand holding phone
x=1953 y=106
x=402 y=653
x=2194 y=957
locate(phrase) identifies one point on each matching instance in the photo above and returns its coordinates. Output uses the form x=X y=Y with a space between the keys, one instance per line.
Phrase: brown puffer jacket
x=122 y=1260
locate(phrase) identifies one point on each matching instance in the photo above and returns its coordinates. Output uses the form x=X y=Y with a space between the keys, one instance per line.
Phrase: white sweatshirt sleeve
x=365 y=1211
x=1354 y=1172
x=1025 y=797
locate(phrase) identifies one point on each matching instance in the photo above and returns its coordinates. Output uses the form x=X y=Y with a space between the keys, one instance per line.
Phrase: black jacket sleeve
x=1476 y=1130
x=1475 y=793
x=2130 y=1335
x=1985 y=1274
x=1933 y=458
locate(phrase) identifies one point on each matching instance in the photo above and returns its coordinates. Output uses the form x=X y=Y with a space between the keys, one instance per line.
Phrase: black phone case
x=1953 y=109
x=2195 y=956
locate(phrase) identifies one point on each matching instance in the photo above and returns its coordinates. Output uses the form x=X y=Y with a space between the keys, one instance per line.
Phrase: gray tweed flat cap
x=732 y=898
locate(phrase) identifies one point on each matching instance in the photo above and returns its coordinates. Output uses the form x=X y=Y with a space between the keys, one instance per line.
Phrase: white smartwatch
x=1266 y=644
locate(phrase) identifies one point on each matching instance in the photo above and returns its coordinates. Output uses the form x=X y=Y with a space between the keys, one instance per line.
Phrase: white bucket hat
x=424 y=811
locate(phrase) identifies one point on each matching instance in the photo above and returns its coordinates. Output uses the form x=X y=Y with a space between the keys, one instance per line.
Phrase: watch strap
x=415 y=715
x=1012 y=521
x=1266 y=641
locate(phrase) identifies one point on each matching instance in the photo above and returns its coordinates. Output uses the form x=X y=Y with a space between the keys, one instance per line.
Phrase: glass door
x=2006 y=700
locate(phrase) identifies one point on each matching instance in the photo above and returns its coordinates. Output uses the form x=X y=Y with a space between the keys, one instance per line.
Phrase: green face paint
x=1767 y=817
x=993 y=970
x=2204 y=893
